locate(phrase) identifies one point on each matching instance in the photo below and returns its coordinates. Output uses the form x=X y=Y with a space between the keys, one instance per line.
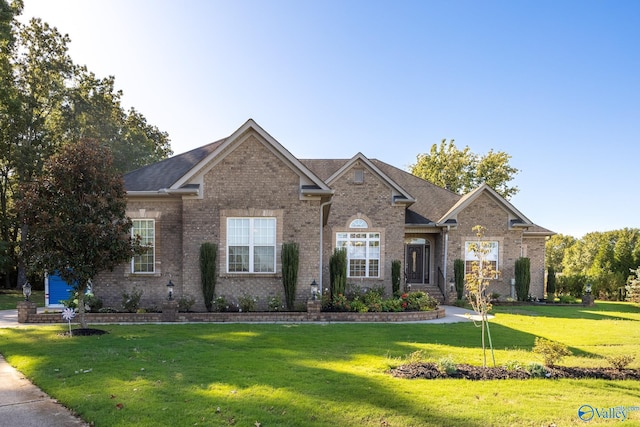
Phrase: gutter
x=322 y=205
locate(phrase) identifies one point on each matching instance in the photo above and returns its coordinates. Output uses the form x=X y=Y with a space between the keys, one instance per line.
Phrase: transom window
x=363 y=253
x=251 y=245
x=145 y=229
x=358 y=223
x=471 y=256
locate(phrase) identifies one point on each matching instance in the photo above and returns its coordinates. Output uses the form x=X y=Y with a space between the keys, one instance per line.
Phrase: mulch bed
x=84 y=332
x=431 y=371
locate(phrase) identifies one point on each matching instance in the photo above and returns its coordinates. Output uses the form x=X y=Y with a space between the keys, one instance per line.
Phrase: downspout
x=322 y=205
x=446 y=251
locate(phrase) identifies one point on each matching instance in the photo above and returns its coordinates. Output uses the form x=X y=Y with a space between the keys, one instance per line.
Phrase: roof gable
x=518 y=219
x=400 y=195
x=185 y=170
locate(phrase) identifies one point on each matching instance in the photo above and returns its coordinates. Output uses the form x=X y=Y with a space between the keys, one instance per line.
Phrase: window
x=358 y=176
x=251 y=245
x=363 y=253
x=471 y=256
x=358 y=223
x=145 y=230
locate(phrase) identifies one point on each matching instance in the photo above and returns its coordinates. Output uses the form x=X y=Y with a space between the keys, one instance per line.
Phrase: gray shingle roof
x=166 y=172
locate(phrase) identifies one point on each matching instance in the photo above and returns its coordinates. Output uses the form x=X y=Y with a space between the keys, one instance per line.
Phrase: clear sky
x=555 y=84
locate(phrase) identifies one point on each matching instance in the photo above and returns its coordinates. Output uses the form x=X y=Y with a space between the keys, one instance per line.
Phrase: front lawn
x=326 y=374
x=9 y=298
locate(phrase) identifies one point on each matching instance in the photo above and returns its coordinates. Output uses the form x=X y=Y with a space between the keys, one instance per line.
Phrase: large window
x=471 y=256
x=363 y=253
x=251 y=245
x=145 y=230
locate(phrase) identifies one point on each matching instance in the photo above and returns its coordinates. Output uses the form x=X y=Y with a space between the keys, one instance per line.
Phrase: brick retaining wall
x=271 y=317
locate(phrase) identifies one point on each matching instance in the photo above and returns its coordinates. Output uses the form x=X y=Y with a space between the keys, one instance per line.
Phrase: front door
x=415 y=263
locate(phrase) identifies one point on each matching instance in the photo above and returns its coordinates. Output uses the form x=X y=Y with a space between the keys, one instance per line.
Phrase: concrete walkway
x=22 y=404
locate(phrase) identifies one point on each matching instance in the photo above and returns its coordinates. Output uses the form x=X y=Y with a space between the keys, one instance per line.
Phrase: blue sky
x=555 y=84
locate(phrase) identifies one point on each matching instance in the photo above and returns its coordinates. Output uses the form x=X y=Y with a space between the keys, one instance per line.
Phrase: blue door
x=57 y=290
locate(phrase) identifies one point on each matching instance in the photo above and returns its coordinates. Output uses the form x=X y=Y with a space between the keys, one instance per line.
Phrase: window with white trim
x=251 y=245
x=363 y=253
x=144 y=229
x=471 y=256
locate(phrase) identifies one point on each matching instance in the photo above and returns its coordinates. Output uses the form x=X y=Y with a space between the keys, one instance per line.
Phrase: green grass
x=326 y=375
x=9 y=298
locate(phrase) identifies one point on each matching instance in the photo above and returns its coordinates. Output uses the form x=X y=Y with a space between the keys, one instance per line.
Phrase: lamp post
x=314 y=290
x=26 y=290
x=170 y=286
x=588 y=288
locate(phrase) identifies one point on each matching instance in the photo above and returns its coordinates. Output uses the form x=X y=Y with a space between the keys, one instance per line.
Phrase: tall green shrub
x=458 y=277
x=208 y=272
x=338 y=272
x=523 y=278
x=290 y=261
x=396 y=268
x=551 y=283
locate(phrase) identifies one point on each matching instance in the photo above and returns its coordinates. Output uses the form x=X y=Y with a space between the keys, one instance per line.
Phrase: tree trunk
x=22 y=269
x=81 y=311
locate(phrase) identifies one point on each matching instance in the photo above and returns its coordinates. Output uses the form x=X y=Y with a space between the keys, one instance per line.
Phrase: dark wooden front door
x=415 y=263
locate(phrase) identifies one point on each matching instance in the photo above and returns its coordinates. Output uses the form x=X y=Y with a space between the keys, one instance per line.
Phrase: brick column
x=169 y=311
x=313 y=309
x=25 y=309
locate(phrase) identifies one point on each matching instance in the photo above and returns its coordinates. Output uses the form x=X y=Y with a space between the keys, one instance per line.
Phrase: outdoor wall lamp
x=26 y=290
x=314 y=290
x=170 y=286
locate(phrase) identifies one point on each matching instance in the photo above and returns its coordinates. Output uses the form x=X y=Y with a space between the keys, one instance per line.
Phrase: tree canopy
x=75 y=212
x=461 y=171
x=604 y=259
x=46 y=102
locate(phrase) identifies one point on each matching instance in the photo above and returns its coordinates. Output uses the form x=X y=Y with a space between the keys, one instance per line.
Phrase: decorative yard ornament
x=68 y=314
x=26 y=290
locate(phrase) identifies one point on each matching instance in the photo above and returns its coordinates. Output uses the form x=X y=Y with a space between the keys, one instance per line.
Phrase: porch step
x=433 y=290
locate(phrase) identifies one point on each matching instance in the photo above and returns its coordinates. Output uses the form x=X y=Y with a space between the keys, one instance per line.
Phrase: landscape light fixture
x=26 y=290
x=314 y=290
x=170 y=286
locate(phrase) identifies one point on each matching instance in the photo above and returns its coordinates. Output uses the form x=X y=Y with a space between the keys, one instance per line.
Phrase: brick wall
x=487 y=212
x=167 y=214
x=250 y=180
x=370 y=200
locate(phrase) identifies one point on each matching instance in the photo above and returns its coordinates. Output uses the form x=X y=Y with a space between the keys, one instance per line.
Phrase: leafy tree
x=94 y=110
x=76 y=217
x=461 y=171
x=477 y=283
x=555 y=249
x=47 y=101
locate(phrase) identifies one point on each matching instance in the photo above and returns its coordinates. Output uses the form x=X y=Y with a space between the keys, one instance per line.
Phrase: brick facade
x=250 y=175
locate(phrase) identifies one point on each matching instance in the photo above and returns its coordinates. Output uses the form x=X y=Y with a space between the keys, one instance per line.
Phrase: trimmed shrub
x=396 y=268
x=185 y=303
x=338 y=272
x=458 y=277
x=290 y=261
x=551 y=283
x=523 y=278
x=208 y=272
x=131 y=302
x=620 y=361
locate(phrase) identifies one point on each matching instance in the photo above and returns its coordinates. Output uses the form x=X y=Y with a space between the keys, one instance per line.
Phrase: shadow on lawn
x=283 y=374
x=602 y=310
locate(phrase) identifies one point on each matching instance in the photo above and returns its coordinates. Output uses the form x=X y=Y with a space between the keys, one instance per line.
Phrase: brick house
x=248 y=194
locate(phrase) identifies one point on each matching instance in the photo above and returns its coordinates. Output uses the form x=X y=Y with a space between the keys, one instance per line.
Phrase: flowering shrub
x=247 y=303
x=373 y=301
x=275 y=303
x=220 y=304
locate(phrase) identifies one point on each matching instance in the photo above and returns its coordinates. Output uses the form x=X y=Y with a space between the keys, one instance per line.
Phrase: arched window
x=358 y=223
